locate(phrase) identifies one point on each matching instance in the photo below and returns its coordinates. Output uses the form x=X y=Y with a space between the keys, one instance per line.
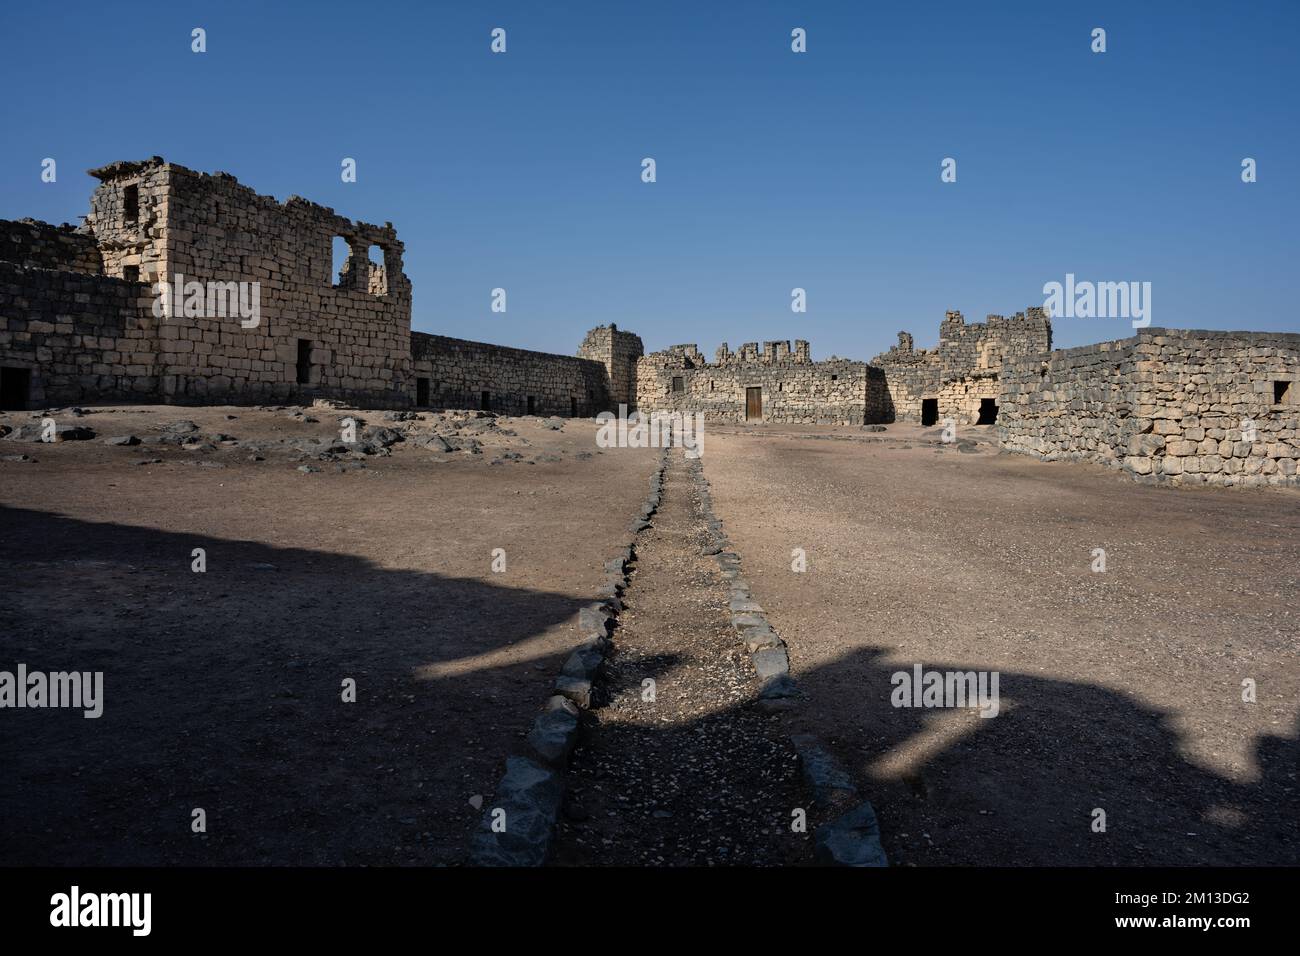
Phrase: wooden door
x=753 y=404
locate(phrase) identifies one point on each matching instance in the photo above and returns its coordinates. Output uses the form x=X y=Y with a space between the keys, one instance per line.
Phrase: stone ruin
x=143 y=303
x=81 y=322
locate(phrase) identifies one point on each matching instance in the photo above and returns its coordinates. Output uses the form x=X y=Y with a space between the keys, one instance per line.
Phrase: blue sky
x=775 y=170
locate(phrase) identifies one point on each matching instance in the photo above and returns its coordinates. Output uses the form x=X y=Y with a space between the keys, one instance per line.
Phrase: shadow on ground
x=223 y=692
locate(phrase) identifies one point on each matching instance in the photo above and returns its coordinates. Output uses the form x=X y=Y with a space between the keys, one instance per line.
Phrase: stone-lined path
x=691 y=771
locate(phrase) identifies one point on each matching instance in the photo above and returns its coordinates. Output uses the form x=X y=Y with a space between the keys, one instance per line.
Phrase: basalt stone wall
x=1183 y=406
x=793 y=389
x=1074 y=404
x=964 y=369
x=80 y=337
x=459 y=372
x=39 y=245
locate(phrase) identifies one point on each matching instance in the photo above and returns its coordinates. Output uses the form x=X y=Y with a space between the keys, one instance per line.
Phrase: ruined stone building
x=961 y=377
x=153 y=299
x=188 y=287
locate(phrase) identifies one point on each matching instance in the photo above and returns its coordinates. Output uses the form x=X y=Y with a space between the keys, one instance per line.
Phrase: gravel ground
x=1120 y=691
x=700 y=776
x=223 y=689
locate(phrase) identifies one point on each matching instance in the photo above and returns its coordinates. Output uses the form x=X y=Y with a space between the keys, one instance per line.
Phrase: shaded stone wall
x=38 y=245
x=794 y=389
x=1166 y=405
x=459 y=372
x=79 y=336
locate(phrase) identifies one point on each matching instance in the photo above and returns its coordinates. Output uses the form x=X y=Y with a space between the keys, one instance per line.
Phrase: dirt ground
x=689 y=771
x=223 y=689
x=1120 y=691
x=372 y=560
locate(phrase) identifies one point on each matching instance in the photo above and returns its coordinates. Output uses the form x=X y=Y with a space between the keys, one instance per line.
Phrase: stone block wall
x=38 y=245
x=1166 y=405
x=618 y=351
x=794 y=389
x=209 y=228
x=964 y=368
x=80 y=337
x=459 y=372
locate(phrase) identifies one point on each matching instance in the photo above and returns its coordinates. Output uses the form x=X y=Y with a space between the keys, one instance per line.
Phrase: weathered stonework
x=80 y=321
x=1166 y=405
x=791 y=387
x=618 y=352
x=464 y=374
x=960 y=376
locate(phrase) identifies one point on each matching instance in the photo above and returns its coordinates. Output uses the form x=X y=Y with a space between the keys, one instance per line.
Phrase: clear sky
x=775 y=170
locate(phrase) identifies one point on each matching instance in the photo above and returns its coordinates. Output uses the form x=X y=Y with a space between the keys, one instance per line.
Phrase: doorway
x=929 y=411
x=304 y=362
x=15 y=388
x=988 y=411
x=754 y=404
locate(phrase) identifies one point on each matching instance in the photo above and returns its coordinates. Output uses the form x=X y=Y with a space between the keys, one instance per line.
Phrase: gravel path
x=699 y=775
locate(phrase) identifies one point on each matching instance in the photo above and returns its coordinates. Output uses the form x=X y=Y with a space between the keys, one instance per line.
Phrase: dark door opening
x=304 y=361
x=929 y=411
x=422 y=392
x=753 y=404
x=573 y=407
x=485 y=401
x=15 y=389
x=988 y=411
x=531 y=405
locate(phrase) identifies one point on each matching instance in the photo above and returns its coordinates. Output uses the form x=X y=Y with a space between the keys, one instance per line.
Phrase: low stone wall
x=459 y=372
x=40 y=245
x=1183 y=406
x=80 y=336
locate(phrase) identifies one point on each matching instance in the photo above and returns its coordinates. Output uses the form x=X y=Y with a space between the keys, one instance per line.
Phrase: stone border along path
x=852 y=836
x=531 y=791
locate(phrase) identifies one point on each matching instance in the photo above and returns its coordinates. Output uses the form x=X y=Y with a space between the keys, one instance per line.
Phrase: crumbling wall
x=794 y=389
x=964 y=368
x=459 y=372
x=39 y=245
x=196 y=227
x=1184 y=406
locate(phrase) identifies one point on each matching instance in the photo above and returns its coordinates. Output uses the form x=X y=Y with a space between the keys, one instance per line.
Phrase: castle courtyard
x=1120 y=689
